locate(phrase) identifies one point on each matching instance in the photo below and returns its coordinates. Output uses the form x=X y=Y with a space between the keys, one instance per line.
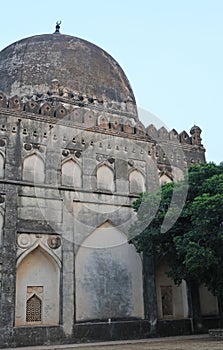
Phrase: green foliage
x=194 y=243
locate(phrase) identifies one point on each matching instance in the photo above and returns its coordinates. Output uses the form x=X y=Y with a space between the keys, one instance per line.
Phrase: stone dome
x=30 y=65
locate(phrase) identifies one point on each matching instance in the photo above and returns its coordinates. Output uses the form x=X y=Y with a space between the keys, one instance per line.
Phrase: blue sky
x=170 y=50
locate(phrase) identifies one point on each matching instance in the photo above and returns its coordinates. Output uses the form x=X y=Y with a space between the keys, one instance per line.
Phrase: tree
x=193 y=245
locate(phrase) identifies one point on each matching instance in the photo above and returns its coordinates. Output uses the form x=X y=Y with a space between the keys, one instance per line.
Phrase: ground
x=168 y=345
x=173 y=343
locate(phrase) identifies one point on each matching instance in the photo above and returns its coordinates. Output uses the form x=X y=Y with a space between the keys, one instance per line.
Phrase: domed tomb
x=30 y=65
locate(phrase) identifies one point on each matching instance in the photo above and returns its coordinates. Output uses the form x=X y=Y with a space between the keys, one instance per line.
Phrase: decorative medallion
x=78 y=154
x=54 y=242
x=24 y=240
x=131 y=162
x=28 y=146
x=65 y=153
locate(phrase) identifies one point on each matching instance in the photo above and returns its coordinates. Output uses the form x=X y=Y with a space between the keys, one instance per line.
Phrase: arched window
x=71 y=174
x=33 y=169
x=34 y=309
x=105 y=178
x=136 y=182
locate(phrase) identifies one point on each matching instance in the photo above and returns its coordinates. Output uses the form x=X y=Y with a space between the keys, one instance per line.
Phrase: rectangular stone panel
x=32 y=208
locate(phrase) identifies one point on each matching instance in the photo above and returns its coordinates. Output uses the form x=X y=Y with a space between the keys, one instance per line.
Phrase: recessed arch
x=1 y=225
x=71 y=174
x=165 y=178
x=105 y=178
x=37 y=274
x=44 y=248
x=33 y=169
x=2 y=165
x=108 y=274
x=136 y=182
x=103 y=122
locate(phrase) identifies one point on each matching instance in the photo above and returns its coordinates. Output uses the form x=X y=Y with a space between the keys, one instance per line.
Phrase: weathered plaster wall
x=108 y=277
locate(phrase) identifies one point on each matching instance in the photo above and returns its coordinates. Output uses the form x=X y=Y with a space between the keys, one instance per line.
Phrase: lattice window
x=34 y=309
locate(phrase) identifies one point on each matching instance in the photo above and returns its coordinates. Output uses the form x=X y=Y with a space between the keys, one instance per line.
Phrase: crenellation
x=174 y=136
x=3 y=100
x=87 y=119
x=184 y=137
x=35 y=102
x=163 y=133
x=15 y=102
x=31 y=106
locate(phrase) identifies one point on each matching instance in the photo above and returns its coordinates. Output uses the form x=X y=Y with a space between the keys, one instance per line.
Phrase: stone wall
x=69 y=174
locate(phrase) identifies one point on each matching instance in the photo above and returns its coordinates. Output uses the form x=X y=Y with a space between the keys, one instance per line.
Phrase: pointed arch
x=33 y=169
x=37 y=274
x=1 y=226
x=165 y=178
x=71 y=174
x=108 y=274
x=103 y=122
x=44 y=248
x=136 y=182
x=2 y=165
x=34 y=309
x=105 y=178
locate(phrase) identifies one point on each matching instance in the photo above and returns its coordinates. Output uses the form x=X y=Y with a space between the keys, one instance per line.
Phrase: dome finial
x=58 y=23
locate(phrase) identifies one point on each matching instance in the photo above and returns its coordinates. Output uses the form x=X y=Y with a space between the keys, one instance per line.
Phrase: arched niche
x=105 y=178
x=33 y=169
x=1 y=226
x=172 y=302
x=136 y=182
x=2 y=165
x=71 y=174
x=103 y=122
x=37 y=277
x=165 y=179
x=108 y=274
